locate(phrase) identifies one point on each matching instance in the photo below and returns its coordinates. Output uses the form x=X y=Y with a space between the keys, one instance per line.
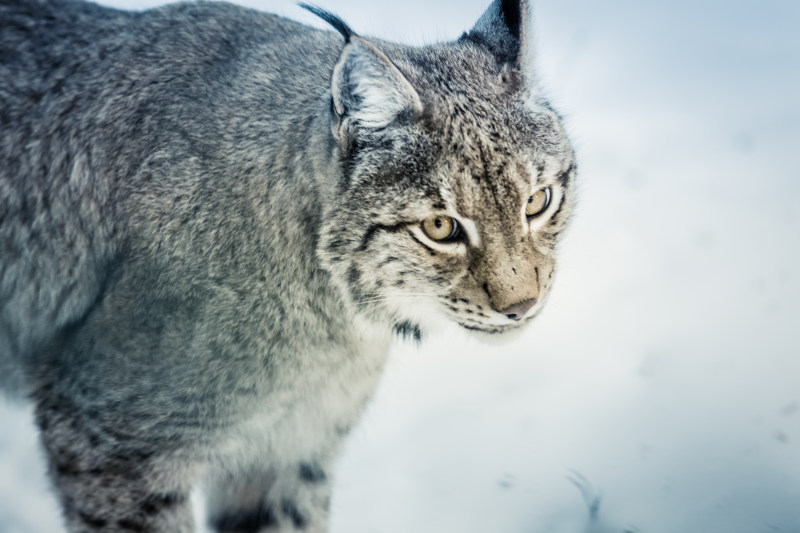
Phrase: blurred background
x=659 y=392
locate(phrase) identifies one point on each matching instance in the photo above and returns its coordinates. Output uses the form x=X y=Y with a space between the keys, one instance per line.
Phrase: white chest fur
x=308 y=409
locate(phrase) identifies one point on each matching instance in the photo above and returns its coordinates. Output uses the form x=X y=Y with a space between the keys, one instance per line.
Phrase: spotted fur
x=211 y=231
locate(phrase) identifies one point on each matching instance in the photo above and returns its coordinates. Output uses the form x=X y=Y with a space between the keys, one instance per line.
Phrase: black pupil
x=530 y=200
x=438 y=223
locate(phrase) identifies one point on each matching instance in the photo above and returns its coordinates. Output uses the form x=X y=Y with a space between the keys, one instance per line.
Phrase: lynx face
x=451 y=207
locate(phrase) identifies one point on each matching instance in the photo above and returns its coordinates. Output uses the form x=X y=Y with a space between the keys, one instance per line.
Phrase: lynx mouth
x=492 y=331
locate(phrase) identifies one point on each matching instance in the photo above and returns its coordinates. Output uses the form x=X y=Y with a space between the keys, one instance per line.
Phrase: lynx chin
x=215 y=221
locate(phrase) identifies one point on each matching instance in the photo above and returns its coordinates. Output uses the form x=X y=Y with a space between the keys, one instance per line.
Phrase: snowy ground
x=661 y=387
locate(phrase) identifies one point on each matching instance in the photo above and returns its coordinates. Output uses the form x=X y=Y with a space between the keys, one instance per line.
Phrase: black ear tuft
x=340 y=25
x=503 y=30
x=512 y=14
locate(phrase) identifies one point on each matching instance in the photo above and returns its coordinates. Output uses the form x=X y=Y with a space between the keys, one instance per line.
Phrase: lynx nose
x=518 y=310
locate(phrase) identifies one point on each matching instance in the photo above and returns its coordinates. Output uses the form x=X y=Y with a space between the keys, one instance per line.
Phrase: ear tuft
x=503 y=29
x=338 y=24
x=512 y=15
x=368 y=89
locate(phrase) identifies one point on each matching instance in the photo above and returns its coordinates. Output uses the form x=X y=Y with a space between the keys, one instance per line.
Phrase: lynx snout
x=513 y=294
x=518 y=310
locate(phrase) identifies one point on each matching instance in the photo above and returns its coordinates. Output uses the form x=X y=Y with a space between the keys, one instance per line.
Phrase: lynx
x=215 y=221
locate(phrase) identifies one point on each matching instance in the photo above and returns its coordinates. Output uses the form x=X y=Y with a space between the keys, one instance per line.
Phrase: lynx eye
x=538 y=202
x=441 y=228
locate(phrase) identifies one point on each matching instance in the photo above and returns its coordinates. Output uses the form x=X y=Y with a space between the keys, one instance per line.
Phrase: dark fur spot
x=93 y=521
x=564 y=176
x=353 y=276
x=67 y=468
x=156 y=503
x=132 y=456
x=127 y=524
x=291 y=511
x=408 y=331
x=388 y=260
x=336 y=243
x=312 y=473
x=245 y=521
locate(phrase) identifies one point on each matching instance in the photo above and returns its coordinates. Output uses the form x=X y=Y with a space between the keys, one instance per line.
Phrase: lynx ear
x=368 y=89
x=504 y=29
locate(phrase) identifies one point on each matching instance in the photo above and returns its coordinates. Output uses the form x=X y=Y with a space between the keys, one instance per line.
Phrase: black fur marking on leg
x=245 y=521
x=67 y=468
x=92 y=521
x=127 y=524
x=312 y=473
x=157 y=503
x=291 y=511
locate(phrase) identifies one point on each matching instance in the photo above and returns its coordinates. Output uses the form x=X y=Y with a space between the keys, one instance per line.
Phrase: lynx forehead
x=213 y=222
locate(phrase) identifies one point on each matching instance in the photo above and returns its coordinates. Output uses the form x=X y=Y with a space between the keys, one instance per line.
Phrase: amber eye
x=538 y=202
x=441 y=228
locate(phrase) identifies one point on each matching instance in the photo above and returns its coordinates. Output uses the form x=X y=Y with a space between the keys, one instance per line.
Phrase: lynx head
x=456 y=178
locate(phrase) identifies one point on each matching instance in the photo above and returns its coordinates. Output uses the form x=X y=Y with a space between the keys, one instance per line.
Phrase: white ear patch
x=368 y=88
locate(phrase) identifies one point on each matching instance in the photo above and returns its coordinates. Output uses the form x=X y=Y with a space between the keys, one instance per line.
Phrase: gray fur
x=210 y=228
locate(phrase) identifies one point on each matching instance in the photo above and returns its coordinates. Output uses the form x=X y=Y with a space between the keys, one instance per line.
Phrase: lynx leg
x=112 y=485
x=279 y=500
